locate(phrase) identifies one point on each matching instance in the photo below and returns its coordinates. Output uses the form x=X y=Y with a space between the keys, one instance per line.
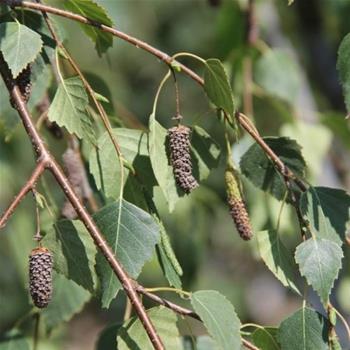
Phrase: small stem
x=178 y=116
x=37 y=235
x=29 y=185
x=342 y=318
x=170 y=289
x=128 y=309
x=155 y=102
x=188 y=54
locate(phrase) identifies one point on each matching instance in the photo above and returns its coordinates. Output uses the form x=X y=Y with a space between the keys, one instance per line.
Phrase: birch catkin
x=237 y=207
x=179 y=141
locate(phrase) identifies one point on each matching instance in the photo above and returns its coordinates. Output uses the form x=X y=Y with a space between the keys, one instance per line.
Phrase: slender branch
x=44 y=155
x=29 y=185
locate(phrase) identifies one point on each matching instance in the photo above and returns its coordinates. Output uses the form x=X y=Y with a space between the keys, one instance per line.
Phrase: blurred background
x=281 y=62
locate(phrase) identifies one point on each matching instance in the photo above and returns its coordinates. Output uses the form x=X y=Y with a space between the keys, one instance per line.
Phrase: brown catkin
x=237 y=206
x=40 y=276
x=179 y=141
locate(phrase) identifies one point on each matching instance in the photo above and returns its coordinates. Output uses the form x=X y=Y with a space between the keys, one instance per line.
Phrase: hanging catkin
x=237 y=207
x=40 y=276
x=179 y=141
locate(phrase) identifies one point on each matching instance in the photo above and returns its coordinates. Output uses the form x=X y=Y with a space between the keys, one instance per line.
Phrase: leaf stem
x=181 y=292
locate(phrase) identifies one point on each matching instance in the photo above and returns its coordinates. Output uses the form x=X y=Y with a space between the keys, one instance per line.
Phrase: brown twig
x=29 y=185
x=48 y=160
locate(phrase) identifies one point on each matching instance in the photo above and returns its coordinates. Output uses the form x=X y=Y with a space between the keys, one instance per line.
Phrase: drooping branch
x=285 y=171
x=50 y=163
x=28 y=186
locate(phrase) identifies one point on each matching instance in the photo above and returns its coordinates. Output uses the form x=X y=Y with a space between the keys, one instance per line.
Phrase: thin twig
x=29 y=185
x=50 y=162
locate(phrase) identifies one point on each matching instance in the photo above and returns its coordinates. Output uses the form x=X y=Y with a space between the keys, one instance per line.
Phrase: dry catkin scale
x=40 y=276
x=237 y=207
x=179 y=142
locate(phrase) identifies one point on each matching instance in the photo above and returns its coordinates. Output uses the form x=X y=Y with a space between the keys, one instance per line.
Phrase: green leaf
x=104 y=164
x=97 y=13
x=160 y=164
x=74 y=252
x=13 y=340
x=278 y=74
x=107 y=339
x=343 y=67
x=132 y=234
x=68 y=299
x=266 y=338
x=68 y=108
x=327 y=210
x=217 y=86
x=167 y=259
x=206 y=153
x=19 y=45
x=319 y=261
x=306 y=329
x=277 y=258
x=219 y=317
x=132 y=335
x=260 y=170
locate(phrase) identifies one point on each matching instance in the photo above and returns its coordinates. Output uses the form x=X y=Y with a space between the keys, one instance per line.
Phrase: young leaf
x=19 y=45
x=68 y=299
x=74 y=252
x=327 y=210
x=344 y=68
x=68 y=108
x=277 y=258
x=260 y=170
x=217 y=86
x=132 y=335
x=13 y=340
x=132 y=234
x=278 y=74
x=159 y=160
x=266 y=338
x=306 y=329
x=206 y=153
x=95 y=12
x=319 y=261
x=104 y=163
x=219 y=317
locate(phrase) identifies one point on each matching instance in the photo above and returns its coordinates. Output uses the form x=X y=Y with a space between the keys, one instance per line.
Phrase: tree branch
x=29 y=185
x=285 y=171
x=44 y=155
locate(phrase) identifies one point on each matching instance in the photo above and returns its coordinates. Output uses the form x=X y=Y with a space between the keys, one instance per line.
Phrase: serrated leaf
x=104 y=164
x=19 y=45
x=278 y=74
x=319 y=261
x=260 y=170
x=68 y=108
x=343 y=67
x=132 y=234
x=160 y=164
x=219 y=317
x=74 y=252
x=217 y=86
x=67 y=300
x=277 y=258
x=13 y=340
x=132 y=335
x=306 y=329
x=94 y=12
x=327 y=210
x=167 y=259
x=266 y=338
x=206 y=153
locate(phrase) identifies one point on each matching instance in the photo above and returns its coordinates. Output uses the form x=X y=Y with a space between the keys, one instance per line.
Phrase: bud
x=179 y=141
x=40 y=276
x=238 y=210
